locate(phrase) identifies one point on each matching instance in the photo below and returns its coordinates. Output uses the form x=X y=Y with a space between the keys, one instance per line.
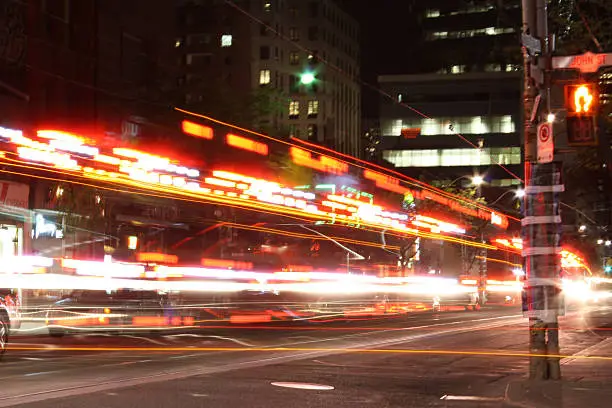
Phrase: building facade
x=291 y=66
x=462 y=111
x=457 y=111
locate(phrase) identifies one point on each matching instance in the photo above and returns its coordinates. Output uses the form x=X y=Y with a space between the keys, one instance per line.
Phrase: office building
x=464 y=96
x=284 y=67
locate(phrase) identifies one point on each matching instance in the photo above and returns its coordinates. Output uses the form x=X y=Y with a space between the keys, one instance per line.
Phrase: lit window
x=294 y=58
x=178 y=42
x=458 y=69
x=264 y=77
x=439 y=35
x=226 y=40
x=492 y=67
x=294 y=109
x=452 y=125
x=267 y=6
x=431 y=13
x=454 y=157
x=313 y=108
x=399 y=97
x=313 y=131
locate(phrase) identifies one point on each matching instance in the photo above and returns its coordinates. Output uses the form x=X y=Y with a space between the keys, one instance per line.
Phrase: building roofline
x=408 y=78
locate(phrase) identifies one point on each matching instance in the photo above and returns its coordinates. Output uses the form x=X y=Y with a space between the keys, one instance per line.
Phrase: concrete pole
x=541 y=232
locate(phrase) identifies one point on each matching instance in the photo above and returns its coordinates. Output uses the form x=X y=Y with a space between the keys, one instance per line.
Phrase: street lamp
x=477 y=180
x=520 y=193
x=582 y=228
x=550 y=118
x=600 y=241
x=307 y=78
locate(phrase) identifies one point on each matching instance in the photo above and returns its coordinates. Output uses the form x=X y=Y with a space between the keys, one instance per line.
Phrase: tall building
x=289 y=66
x=84 y=64
x=458 y=111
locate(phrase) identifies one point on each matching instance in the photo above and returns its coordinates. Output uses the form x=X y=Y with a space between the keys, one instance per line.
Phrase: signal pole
x=541 y=223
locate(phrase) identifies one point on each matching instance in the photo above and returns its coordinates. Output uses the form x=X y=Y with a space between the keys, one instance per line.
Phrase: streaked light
x=247 y=144
x=195 y=129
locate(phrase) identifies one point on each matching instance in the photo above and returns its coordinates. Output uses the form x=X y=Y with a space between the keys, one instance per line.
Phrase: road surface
x=426 y=359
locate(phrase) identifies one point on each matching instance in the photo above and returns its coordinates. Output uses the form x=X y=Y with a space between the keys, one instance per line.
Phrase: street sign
x=546 y=146
x=581 y=131
x=587 y=62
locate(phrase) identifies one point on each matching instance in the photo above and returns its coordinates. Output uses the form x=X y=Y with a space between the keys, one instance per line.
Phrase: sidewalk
x=587 y=382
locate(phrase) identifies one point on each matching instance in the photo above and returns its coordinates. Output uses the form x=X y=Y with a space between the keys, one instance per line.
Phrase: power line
x=359 y=80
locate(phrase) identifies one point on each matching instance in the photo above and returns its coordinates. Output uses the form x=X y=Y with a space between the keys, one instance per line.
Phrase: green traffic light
x=307 y=78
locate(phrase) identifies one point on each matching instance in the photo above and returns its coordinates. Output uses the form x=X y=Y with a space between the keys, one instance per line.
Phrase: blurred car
x=10 y=315
x=96 y=310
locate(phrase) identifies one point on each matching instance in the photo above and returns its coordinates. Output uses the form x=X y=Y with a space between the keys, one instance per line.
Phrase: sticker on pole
x=546 y=145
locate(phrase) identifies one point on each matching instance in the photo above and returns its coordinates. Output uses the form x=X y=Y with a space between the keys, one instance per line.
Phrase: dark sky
x=388 y=38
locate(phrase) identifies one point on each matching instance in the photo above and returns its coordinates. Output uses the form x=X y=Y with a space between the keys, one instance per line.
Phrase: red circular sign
x=544 y=133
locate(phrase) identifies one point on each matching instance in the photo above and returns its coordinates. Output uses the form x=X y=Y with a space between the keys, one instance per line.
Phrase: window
x=457 y=69
x=294 y=109
x=475 y=125
x=264 y=77
x=264 y=52
x=313 y=109
x=178 y=42
x=454 y=157
x=263 y=29
x=226 y=40
x=438 y=35
x=267 y=6
x=313 y=33
x=431 y=13
x=313 y=132
x=313 y=9
x=492 y=67
x=294 y=131
x=294 y=34
x=198 y=39
x=198 y=60
x=294 y=58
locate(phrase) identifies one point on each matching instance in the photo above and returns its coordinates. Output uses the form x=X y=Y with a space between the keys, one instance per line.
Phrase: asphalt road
x=427 y=359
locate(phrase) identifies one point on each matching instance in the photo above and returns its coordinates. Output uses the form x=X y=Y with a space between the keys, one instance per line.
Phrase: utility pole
x=541 y=221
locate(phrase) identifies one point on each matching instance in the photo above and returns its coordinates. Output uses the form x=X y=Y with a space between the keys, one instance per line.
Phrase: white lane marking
x=304 y=386
x=185 y=356
x=32 y=358
x=109 y=384
x=159 y=343
x=38 y=373
x=199 y=395
x=202 y=336
x=589 y=351
x=470 y=398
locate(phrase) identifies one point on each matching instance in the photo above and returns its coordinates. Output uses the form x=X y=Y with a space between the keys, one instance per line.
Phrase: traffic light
x=307 y=78
x=608 y=265
x=581 y=102
x=581 y=99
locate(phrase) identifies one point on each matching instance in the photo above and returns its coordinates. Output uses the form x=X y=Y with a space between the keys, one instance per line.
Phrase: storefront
x=15 y=219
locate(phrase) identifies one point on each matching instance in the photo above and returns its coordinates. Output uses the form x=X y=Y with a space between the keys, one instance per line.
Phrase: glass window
x=454 y=157
x=226 y=40
x=294 y=58
x=294 y=109
x=264 y=77
x=264 y=52
x=294 y=34
x=313 y=33
x=313 y=108
x=451 y=125
x=313 y=131
x=431 y=13
x=267 y=6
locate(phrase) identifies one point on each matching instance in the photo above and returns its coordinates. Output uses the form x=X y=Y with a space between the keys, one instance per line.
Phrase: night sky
x=388 y=33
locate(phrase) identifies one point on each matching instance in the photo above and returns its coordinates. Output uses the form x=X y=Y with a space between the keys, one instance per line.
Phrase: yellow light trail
x=317 y=349
x=231 y=202
x=413 y=183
